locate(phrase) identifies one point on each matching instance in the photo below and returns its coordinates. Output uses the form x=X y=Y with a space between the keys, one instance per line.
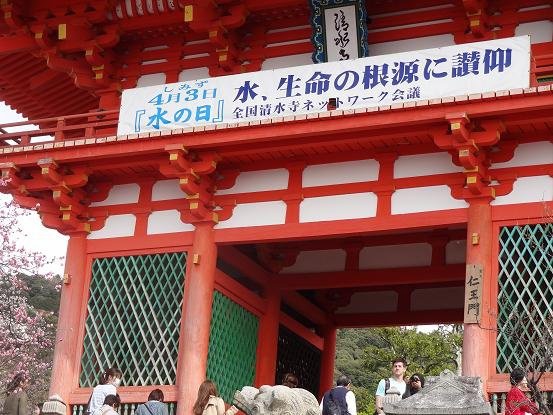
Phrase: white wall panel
x=258 y=181
x=424 y=199
x=120 y=194
x=424 y=165
x=456 y=252
x=541 y=31
x=371 y=302
x=530 y=154
x=407 y=45
x=446 y=298
x=326 y=260
x=193 y=74
x=337 y=173
x=151 y=80
x=116 y=226
x=167 y=221
x=287 y=61
x=395 y=256
x=528 y=189
x=348 y=206
x=256 y=214
x=167 y=190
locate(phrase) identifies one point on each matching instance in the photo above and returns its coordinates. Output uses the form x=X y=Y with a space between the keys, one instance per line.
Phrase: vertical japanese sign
x=339 y=30
x=360 y=83
x=473 y=293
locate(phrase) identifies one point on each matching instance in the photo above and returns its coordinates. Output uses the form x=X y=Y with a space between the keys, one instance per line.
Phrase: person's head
x=399 y=366
x=156 y=395
x=518 y=377
x=416 y=381
x=111 y=376
x=206 y=389
x=343 y=381
x=19 y=381
x=113 y=400
x=290 y=380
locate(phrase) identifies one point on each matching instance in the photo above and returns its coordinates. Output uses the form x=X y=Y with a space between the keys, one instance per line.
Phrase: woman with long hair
x=110 y=380
x=209 y=402
x=16 y=400
x=517 y=403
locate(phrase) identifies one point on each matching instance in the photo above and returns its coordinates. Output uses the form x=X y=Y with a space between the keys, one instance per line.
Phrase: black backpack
x=332 y=407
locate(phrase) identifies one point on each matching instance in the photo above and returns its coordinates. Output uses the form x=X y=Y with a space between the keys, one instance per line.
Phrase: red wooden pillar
x=327 y=360
x=267 y=339
x=196 y=316
x=65 y=369
x=478 y=338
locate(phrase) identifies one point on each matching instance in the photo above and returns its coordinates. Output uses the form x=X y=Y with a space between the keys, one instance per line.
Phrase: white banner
x=361 y=83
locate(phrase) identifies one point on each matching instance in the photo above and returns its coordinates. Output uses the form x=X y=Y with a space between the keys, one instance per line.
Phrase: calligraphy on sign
x=473 y=293
x=351 y=84
x=339 y=30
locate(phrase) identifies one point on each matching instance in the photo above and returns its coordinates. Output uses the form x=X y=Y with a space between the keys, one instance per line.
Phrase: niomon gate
x=236 y=252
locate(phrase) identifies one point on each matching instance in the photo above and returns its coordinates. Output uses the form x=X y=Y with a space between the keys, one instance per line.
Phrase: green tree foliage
x=365 y=355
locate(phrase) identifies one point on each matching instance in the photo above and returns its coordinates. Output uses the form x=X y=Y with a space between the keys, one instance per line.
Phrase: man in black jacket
x=339 y=400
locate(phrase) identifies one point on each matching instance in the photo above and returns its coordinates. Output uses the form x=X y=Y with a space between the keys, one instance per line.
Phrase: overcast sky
x=35 y=236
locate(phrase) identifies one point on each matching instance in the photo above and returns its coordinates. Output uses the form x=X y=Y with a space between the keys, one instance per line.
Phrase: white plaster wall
x=541 y=31
x=337 y=173
x=408 y=45
x=456 y=252
x=167 y=221
x=287 y=61
x=348 y=206
x=395 y=256
x=151 y=80
x=424 y=199
x=256 y=214
x=258 y=181
x=326 y=260
x=116 y=226
x=371 y=302
x=193 y=74
x=424 y=165
x=167 y=190
x=529 y=154
x=528 y=189
x=120 y=194
x=446 y=298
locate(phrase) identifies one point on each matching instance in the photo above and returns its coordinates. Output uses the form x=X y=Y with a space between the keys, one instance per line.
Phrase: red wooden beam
x=16 y=44
x=301 y=331
x=401 y=318
x=250 y=268
x=305 y=307
x=372 y=277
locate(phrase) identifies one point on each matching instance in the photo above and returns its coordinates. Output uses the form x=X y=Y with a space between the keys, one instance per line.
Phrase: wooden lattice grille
x=232 y=346
x=525 y=289
x=134 y=314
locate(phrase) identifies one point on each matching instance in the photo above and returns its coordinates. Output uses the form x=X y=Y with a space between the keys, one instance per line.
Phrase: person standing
x=517 y=403
x=16 y=400
x=414 y=385
x=341 y=396
x=110 y=380
x=395 y=383
x=111 y=405
x=154 y=406
x=209 y=402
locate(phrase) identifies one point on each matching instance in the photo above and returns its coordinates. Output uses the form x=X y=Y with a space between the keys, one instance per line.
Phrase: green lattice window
x=525 y=300
x=134 y=314
x=232 y=346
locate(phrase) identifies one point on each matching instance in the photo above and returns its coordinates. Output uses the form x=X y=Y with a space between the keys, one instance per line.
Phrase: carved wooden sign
x=473 y=293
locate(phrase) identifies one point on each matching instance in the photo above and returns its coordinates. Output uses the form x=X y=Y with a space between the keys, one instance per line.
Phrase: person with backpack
x=395 y=384
x=339 y=400
x=154 y=406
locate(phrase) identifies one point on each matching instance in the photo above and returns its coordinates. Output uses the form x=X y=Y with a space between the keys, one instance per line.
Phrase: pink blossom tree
x=26 y=333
